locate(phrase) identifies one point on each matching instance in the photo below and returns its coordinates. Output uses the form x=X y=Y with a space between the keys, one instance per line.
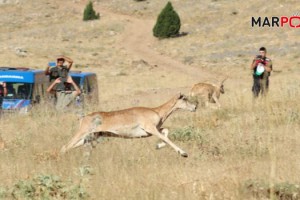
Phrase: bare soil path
x=137 y=39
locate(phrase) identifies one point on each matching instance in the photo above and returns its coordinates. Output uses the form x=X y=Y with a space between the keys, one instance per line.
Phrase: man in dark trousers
x=262 y=67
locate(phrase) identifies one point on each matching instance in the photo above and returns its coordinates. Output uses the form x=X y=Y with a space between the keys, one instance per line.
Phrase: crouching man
x=65 y=95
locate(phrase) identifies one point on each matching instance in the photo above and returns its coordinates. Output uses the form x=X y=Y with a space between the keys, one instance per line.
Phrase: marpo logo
x=283 y=21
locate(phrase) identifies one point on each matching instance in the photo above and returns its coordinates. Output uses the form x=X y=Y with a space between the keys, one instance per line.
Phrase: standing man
x=3 y=93
x=262 y=67
x=56 y=71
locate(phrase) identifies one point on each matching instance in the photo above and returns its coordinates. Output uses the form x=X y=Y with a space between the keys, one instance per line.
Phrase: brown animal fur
x=208 y=92
x=136 y=122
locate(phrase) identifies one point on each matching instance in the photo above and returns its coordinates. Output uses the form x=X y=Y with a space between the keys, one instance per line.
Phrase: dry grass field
x=228 y=147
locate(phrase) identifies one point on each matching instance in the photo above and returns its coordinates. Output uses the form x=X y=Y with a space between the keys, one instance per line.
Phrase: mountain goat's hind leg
x=165 y=132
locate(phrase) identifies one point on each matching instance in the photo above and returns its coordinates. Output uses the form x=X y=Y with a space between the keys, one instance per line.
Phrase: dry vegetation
x=242 y=141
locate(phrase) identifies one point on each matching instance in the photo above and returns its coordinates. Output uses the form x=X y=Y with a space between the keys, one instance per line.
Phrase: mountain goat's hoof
x=160 y=145
x=184 y=155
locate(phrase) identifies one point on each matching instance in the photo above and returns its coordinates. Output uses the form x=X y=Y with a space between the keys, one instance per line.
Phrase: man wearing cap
x=56 y=71
x=262 y=67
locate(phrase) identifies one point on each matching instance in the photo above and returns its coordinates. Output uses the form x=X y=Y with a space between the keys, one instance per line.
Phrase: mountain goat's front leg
x=215 y=98
x=154 y=131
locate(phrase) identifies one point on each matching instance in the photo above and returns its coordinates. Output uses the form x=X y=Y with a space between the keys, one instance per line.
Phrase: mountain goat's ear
x=184 y=97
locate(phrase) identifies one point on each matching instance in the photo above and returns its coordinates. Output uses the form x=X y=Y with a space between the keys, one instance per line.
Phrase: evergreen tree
x=89 y=12
x=168 y=23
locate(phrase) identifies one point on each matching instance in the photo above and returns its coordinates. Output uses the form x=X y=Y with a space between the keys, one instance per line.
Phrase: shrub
x=168 y=23
x=261 y=189
x=186 y=134
x=89 y=12
x=44 y=187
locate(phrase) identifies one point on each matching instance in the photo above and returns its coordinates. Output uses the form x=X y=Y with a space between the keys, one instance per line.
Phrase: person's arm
x=255 y=62
x=4 y=89
x=47 y=70
x=268 y=66
x=49 y=89
x=69 y=60
x=77 y=90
